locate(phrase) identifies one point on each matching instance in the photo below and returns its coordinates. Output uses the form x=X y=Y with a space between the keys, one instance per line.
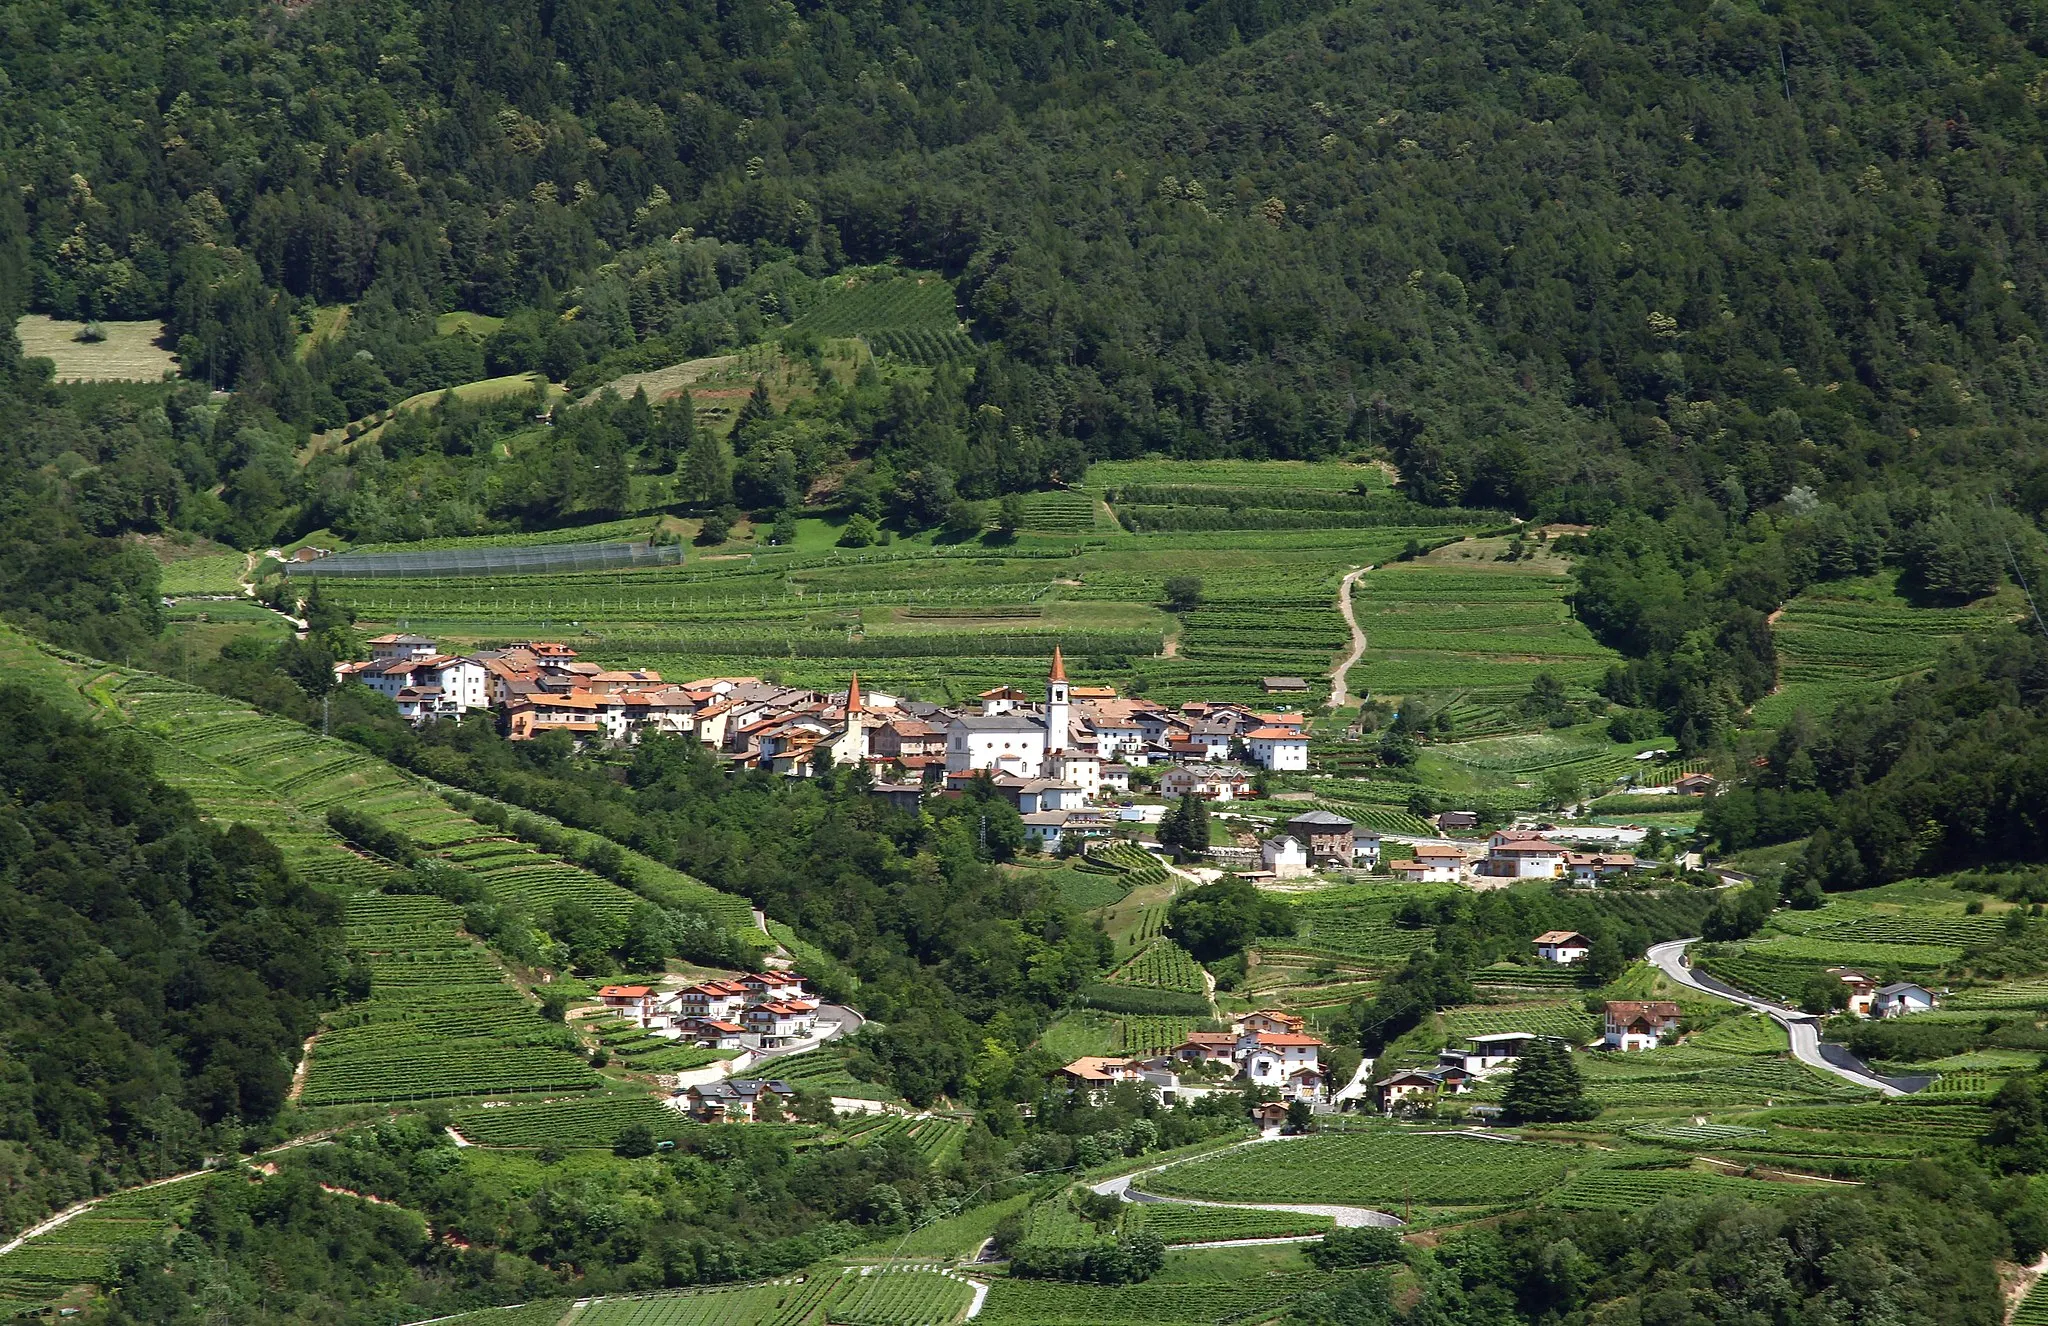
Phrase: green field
x=1470 y=639
x=874 y=1296
x=1378 y=1166
x=1850 y=638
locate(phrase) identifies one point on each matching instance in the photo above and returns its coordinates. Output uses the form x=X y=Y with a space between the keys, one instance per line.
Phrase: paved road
x=1806 y=1044
x=1346 y=1217
x=1341 y=674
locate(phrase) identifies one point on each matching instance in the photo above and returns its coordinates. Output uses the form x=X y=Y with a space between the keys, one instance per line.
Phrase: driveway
x=1669 y=958
x=834 y=1021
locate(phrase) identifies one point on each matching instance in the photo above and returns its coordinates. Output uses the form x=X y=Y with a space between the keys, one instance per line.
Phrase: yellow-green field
x=130 y=353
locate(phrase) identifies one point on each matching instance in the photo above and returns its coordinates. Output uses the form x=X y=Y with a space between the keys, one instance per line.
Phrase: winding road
x=1807 y=1048
x=1340 y=675
x=1345 y=1217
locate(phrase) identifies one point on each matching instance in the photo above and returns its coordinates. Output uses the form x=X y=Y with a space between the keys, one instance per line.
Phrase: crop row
x=1162 y=965
x=1174 y=1222
x=1634 y=1190
x=1250 y=1297
x=593 y=1121
x=1379 y=1166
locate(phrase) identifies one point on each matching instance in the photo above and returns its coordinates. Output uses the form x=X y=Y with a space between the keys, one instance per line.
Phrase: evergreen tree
x=1546 y=1087
x=707 y=472
x=1186 y=827
x=758 y=409
x=678 y=431
x=634 y=418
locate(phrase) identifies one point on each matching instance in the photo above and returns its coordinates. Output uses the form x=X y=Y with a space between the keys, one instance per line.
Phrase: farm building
x=1862 y=990
x=1283 y=685
x=1284 y=856
x=1902 y=998
x=1562 y=946
x=1632 y=1024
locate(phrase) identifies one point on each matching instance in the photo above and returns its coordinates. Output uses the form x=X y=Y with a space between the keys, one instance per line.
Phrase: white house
x=1483 y=1054
x=1433 y=863
x=1563 y=947
x=1862 y=990
x=766 y=987
x=718 y=1000
x=1282 y=750
x=634 y=1001
x=1519 y=854
x=1636 y=1024
x=441 y=685
x=1284 y=856
x=1215 y=782
x=406 y=647
x=1008 y=743
x=1592 y=868
x=1271 y=1058
x=780 y=1023
x=1048 y=827
x=1365 y=847
x=1902 y=998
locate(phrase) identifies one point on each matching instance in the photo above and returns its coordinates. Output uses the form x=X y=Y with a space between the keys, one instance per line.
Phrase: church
x=1026 y=741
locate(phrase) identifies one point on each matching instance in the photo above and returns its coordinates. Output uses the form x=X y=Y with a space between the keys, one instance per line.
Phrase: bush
x=1125 y=1261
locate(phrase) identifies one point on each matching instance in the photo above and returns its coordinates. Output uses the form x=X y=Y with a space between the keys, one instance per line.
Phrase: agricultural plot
x=441 y=1020
x=936 y=1137
x=130 y=353
x=875 y=1296
x=1275 y=476
x=81 y=1250
x=593 y=1122
x=823 y=1071
x=1175 y=1223
x=1633 y=1190
x=1569 y=1021
x=1147 y=1035
x=220 y=573
x=1858 y=637
x=1474 y=636
x=1781 y=967
x=1382 y=1165
x=1251 y=1297
x=526 y=1314
x=1162 y=965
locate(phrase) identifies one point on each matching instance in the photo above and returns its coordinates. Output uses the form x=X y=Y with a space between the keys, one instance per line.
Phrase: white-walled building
x=1562 y=947
x=1280 y=749
x=1520 y=854
x=1284 y=856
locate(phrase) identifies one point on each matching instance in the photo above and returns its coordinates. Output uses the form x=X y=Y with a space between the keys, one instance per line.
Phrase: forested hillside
x=159 y=974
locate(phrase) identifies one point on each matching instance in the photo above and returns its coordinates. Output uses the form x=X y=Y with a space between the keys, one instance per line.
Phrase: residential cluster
x=1512 y=854
x=1059 y=758
x=755 y=1011
x=1268 y=1049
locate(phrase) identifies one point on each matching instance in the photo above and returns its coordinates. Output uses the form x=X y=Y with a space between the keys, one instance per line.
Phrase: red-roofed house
x=635 y=1001
x=1280 y=749
x=1520 y=854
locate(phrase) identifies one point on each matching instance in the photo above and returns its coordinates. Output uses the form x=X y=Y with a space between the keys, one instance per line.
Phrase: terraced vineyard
x=1858 y=637
x=81 y=1250
x=1161 y=965
x=1251 y=1297
x=878 y=1296
x=1570 y=1021
x=937 y=1138
x=591 y=1121
x=1380 y=1165
x=441 y=1021
x=1477 y=636
x=1175 y=1223
x=1632 y=1190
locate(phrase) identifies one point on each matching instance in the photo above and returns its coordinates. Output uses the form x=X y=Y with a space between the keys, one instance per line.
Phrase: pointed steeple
x=1059 y=666
x=853 y=695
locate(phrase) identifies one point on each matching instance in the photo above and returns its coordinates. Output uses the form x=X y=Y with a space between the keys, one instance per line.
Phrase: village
x=1071 y=763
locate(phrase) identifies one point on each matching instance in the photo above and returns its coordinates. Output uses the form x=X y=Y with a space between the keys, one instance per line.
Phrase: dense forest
x=159 y=974
x=1771 y=280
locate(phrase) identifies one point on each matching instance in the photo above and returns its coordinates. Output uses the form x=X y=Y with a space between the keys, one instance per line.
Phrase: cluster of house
x=1868 y=999
x=1268 y=1049
x=1627 y=1024
x=755 y=1011
x=1077 y=745
x=1512 y=854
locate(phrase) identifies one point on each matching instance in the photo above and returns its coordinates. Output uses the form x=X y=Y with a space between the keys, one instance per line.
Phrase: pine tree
x=759 y=408
x=678 y=432
x=707 y=473
x=1546 y=1087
